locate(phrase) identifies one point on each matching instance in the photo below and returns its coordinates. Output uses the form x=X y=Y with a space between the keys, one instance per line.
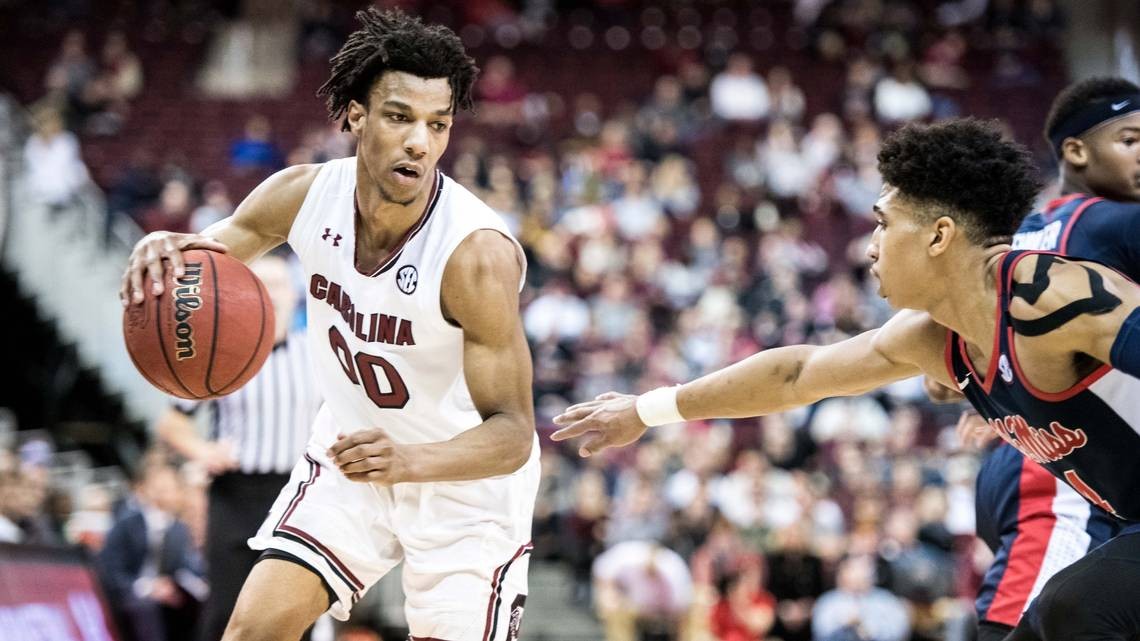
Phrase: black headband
x=1092 y=115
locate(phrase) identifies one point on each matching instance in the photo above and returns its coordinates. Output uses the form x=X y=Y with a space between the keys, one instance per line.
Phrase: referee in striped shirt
x=256 y=436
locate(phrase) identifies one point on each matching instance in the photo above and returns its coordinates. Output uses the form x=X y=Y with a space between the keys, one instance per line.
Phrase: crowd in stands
x=723 y=213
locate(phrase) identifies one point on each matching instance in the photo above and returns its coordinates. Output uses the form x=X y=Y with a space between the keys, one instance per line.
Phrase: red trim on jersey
x=1062 y=200
x=496 y=580
x=947 y=354
x=394 y=254
x=1053 y=397
x=1063 y=246
x=988 y=383
x=1035 y=521
x=314 y=472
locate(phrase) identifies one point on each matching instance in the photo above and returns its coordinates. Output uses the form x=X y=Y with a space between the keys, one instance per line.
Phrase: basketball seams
x=162 y=346
x=217 y=321
x=263 y=295
x=240 y=350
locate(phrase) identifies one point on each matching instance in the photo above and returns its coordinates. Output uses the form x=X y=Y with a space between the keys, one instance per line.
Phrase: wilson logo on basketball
x=187 y=299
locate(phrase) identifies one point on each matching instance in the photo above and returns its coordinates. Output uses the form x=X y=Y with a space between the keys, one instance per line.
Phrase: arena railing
x=66 y=262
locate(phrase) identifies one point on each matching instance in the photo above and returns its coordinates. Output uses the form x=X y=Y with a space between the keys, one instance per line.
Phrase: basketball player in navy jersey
x=1035 y=524
x=1047 y=349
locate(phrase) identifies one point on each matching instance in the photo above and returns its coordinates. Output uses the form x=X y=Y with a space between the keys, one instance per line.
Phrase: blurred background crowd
x=692 y=182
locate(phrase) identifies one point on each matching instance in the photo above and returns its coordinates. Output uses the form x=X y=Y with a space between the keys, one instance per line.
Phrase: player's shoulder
x=281 y=195
x=1042 y=284
x=1108 y=219
x=485 y=253
x=911 y=336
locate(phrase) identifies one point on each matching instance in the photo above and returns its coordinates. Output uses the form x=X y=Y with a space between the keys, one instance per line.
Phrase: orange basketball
x=207 y=334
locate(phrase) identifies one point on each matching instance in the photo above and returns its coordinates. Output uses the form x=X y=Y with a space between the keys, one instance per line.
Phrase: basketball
x=207 y=334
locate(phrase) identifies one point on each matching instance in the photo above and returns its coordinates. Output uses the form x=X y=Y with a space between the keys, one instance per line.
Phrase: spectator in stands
x=639 y=514
x=641 y=591
x=173 y=209
x=499 y=93
x=900 y=97
x=216 y=205
x=787 y=173
x=556 y=312
x=745 y=610
x=673 y=185
x=583 y=529
x=137 y=187
x=10 y=531
x=255 y=150
x=796 y=578
x=786 y=97
x=72 y=69
x=636 y=212
x=55 y=171
x=149 y=566
x=121 y=67
x=942 y=62
x=856 y=610
x=739 y=93
x=89 y=524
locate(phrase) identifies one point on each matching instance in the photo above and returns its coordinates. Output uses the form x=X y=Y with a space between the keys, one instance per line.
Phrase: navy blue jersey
x=1083 y=435
x=1086 y=227
x=1033 y=522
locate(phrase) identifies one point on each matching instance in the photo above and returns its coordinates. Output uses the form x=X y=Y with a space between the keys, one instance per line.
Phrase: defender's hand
x=147 y=256
x=974 y=431
x=610 y=420
x=369 y=456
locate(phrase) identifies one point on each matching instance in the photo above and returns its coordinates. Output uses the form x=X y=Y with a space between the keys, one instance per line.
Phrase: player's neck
x=382 y=222
x=1072 y=182
x=968 y=302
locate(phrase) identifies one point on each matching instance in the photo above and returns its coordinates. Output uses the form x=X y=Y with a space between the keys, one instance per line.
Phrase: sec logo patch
x=407 y=279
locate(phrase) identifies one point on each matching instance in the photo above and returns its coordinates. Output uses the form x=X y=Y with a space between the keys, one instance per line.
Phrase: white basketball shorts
x=465 y=545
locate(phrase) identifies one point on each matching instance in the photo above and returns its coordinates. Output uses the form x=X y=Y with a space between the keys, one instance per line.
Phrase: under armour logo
x=336 y=239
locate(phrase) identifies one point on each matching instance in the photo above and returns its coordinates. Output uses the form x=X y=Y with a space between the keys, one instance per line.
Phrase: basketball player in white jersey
x=425 y=449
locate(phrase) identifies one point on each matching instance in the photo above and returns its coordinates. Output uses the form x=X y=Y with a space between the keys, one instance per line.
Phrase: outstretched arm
x=480 y=295
x=771 y=381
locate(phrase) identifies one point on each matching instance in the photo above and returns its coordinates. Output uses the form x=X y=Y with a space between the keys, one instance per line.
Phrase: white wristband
x=659 y=407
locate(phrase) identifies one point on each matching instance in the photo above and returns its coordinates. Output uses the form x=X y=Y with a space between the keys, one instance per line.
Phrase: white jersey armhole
x=457 y=241
x=303 y=232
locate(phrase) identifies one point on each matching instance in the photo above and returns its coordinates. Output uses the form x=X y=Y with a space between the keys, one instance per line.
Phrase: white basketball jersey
x=384 y=354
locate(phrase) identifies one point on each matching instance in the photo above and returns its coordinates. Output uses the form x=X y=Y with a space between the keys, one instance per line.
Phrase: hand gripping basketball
x=147 y=256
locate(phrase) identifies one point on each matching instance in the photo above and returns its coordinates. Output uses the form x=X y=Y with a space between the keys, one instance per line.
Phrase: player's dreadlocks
x=394 y=41
x=963 y=168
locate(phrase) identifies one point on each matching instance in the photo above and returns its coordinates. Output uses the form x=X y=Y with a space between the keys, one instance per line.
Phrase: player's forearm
x=499 y=445
x=763 y=383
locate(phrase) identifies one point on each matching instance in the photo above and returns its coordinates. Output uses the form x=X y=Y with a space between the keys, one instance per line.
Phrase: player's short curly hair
x=963 y=168
x=1081 y=94
x=394 y=41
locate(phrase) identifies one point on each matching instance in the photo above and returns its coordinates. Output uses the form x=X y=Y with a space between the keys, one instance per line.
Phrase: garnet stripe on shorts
x=297 y=535
x=496 y=598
